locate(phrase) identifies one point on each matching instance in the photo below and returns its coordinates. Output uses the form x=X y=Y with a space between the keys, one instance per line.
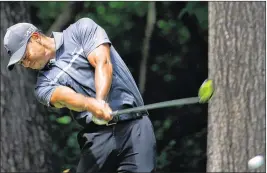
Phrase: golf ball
x=256 y=162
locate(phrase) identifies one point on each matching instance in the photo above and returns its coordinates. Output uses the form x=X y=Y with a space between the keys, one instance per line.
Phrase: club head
x=206 y=91
x=71 y=170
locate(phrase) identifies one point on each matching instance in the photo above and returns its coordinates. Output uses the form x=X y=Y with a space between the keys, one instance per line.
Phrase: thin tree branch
x=66 y=16
x=151 y=19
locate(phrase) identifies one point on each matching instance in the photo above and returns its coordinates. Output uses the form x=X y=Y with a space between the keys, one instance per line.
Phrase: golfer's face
x=34 y=57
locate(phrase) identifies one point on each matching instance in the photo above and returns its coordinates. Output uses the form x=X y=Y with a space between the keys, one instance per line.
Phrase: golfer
x=79 y=69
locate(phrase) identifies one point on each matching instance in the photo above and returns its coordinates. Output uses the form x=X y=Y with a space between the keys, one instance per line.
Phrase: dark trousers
x=125 y=147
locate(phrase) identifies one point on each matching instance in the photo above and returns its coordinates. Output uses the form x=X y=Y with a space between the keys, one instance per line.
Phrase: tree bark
x=151 y=19
x=25 y=143
x=236 y=123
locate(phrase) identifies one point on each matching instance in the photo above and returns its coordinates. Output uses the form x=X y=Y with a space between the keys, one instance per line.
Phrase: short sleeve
x=44 y=89
x=90 y=35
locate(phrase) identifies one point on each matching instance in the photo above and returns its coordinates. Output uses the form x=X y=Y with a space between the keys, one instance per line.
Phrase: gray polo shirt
x=72 y=69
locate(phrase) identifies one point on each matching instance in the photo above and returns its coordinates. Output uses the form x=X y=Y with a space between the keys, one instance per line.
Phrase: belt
x=125 y=117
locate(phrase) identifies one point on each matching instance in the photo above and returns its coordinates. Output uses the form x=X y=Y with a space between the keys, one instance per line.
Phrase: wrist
x=88 y=104
x=101 y=100
x=91 y=105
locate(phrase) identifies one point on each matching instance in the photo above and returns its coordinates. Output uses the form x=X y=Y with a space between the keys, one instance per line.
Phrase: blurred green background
x=176 y=67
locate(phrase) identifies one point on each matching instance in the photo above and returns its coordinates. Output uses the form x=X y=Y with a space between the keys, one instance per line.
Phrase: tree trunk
x=25 y=143
x=236 y=126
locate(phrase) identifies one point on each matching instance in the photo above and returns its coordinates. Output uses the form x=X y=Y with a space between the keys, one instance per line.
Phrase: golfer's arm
x=100 y=60
x=66 y=97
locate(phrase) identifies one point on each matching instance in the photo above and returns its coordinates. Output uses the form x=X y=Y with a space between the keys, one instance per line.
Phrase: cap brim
x=16 y=57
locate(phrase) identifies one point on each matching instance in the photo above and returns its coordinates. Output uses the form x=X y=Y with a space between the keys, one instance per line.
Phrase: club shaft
x=171 y=103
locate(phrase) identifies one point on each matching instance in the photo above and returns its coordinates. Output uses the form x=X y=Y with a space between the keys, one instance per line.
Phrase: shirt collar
x=58 y=36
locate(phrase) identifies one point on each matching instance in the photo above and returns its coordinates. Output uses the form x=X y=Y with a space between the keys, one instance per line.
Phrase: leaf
x=101 y=10
x=155 y=67
x=112 y=4
x=167 y=123
x=184 y=34
x=159 y=134
x=116 y=5
x=52 y=117
x=72 y=140
x=202 y=17
x=161 y=24
x=113 y=20
x=64 y=120
x=157 y=123
x=141 y=11
x=163 y=160
x=169 y=77
x=166 y=26
x=120 y=4
x=189 y=8
x=172 y=143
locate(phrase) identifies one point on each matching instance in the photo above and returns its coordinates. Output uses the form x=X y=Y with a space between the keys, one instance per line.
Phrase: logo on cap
x=29 y=31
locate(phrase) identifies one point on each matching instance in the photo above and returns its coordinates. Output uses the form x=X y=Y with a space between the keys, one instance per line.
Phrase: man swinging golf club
x=79 y=69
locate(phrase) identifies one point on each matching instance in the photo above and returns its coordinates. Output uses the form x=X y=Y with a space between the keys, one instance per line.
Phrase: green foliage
x=162 y=127
x=184 y=34
x=200 y=11
x=163 y=66
x=72 y=142
x=163 y=160
x=65 y=144
x=64 y=120
x=166 y=25
x=202 y=17
x=48 y=12
x=189 y=8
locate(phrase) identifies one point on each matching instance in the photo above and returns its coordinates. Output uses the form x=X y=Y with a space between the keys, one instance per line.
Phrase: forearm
x=78 y=103
x=66 y=97
x=103 y=79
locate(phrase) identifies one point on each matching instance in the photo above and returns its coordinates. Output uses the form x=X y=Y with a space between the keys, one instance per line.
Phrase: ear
x=36 y=36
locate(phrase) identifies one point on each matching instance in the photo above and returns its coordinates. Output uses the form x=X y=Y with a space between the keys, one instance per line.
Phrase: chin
x=37 y=68
x=41 y=67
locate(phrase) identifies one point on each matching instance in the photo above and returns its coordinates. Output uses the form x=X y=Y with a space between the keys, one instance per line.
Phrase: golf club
x=204 y=95
x=171 y=103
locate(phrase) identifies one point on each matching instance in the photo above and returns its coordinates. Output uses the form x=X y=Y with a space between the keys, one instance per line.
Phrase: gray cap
x=15 y=41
